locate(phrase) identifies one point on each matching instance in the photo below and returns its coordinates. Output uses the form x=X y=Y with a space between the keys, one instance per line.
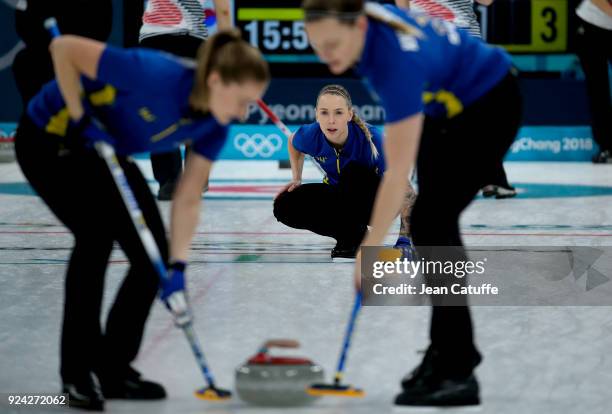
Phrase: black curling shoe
x=84 y=394
x=603 y=157
x=427 y=385
x=498 y=191
x=131 y=387
x=344 y=253
x=444 y=392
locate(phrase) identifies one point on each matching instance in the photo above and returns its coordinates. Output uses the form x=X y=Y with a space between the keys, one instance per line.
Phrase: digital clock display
x=278 y=32
x=274 y=35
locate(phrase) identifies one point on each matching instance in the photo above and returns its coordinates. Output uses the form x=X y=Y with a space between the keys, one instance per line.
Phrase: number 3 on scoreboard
x=550 y=15
x=549 y=25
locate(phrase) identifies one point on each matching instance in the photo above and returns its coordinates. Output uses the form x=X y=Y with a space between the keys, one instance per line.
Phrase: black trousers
x=80 y=191
x=498 y=176
x=455 y=159
x=593 y=46
x=168 y=166
x=340 y=211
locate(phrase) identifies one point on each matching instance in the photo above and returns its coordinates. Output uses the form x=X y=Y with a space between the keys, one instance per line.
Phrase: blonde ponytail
x=368 y=134
x=341 y=91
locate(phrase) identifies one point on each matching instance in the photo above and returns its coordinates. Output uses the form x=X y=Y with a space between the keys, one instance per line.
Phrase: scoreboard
x=530 y=26
x=276 y=28
x=521 y=26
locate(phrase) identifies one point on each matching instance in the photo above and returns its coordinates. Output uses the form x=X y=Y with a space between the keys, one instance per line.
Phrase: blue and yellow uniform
x=140 y=113
x=141 y=97
x=309 y=139
x=341 y=206
x=472 y=111
x=434 y=68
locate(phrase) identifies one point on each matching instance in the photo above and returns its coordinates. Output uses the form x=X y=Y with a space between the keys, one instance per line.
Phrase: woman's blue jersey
x=142 y=98
x=436 y=68
x=309 y=139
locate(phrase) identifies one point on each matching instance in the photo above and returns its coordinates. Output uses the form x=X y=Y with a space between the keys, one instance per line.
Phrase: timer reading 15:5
x=275 y=35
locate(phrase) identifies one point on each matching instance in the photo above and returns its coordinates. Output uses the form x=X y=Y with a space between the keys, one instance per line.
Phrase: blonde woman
x=350 y=153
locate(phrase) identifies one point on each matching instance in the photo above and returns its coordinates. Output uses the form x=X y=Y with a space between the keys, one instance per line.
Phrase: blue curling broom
x=337 y=388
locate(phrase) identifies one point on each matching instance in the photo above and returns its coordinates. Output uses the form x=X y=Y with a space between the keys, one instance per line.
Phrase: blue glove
x=74 y=140
x=404 y=244
x=173 y=294
x=84 y=132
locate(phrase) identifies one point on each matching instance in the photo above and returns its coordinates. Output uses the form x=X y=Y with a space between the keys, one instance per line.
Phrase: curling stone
x=277 y=380
x=7 y=147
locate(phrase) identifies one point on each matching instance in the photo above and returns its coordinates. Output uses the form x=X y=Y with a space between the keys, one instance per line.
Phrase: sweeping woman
x=452 y=108
x=136 y=100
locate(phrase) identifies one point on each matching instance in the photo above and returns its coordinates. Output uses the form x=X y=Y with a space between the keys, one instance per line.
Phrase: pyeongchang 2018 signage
x=543 y=143
x=266 y=142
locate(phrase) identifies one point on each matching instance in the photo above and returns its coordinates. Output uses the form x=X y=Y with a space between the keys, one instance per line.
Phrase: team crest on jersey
x=146 y=114
x=407 y=42
x=321 y=160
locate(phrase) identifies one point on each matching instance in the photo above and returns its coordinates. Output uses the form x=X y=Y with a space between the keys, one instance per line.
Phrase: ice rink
x=251 y=278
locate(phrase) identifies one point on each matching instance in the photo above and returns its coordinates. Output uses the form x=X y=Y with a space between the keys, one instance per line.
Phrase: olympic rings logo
x=258 y=144
x=7 y=136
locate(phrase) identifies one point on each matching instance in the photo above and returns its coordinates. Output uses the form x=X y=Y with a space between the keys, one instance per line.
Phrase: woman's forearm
x=187 y=205
x=74 y=56
x=400 y=147
x=184 y=219
x=604 y=5
x=297 y=166
x=223 y=12
x=406 y=209
x=68 y=76
x=388 y=202
x=296 y=158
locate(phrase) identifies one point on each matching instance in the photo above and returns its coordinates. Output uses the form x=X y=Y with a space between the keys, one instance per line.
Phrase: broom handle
x=347 y=338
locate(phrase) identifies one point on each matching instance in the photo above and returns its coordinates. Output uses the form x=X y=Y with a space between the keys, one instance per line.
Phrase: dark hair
x=339 y=90
x=234 y=59
x=347 y=11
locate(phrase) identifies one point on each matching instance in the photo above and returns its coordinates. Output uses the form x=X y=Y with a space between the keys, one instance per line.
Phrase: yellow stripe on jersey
x=58 y=123
x=146 y=114
x=448 y=99
x=171 y=129
x=165 y=133
x=105 y=96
